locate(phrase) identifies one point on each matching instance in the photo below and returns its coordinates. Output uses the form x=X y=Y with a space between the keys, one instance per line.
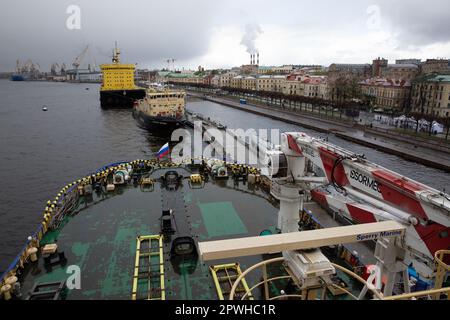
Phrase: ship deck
x=100 y=238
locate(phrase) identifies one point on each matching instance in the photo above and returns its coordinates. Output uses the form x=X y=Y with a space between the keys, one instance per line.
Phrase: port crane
x=304 y=168
x=54 y=69
x=79 y=59
x=28 y=67
x=169 y=61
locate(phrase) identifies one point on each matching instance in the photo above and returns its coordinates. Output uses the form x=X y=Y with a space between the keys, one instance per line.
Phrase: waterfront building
x=185 y=78
x=248 y=83
x=249 y=69
x=225 y=79
x=272 y=83
x=387 y=94
x=431 y=96
x=215 y=81
x=293 y=85
x=359 y=71
x=161 y=76
x=207 y=80
x=378 y=65
x=438 y=66
x=315 y=87
x=236 y=82
x=273 y=70
x=400 y=71
x=417 y=62
x=307 y=86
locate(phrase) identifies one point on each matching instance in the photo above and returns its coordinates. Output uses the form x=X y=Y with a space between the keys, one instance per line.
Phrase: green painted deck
x=101 y=238
x=221 y=219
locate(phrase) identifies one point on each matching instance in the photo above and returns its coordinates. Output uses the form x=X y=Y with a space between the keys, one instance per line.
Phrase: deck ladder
x=148 y=279
x=224 y=277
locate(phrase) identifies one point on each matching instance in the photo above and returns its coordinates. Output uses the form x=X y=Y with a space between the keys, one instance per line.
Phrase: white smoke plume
x=252 y=31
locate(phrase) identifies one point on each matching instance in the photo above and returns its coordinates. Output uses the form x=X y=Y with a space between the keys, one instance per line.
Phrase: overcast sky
x=220 y=33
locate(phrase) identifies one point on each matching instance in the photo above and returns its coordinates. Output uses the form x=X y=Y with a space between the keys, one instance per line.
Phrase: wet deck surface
x=101 y=238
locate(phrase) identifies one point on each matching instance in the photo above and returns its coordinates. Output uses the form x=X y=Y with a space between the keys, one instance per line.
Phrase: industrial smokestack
x=251 y=58
x=258 y=59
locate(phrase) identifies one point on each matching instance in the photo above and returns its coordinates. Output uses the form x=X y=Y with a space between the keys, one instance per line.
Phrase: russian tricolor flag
x=163 y=151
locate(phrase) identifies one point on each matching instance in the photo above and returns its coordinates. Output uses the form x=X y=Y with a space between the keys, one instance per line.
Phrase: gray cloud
x=417 y=22
x=148 y=32
x=151 y=31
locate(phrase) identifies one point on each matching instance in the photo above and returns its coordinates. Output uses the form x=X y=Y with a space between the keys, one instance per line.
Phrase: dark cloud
x=417 y=22
x=148 y=32
x=151 y=31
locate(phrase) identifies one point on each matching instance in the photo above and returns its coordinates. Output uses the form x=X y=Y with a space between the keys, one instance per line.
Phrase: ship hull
x=17 y=77
x=157 y=124
x=120 y=99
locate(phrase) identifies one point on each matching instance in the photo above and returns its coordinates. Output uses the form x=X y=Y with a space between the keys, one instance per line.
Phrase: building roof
x=440 y=78
x=181 y=75
x=350 y=65
x=383 y=82
x=271 y=77
x=163 y=73
x=404 y=65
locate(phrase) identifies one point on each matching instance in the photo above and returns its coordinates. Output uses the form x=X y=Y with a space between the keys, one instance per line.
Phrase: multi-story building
x=215 y=81
x=185 y=78
x=270 y=83
x=161 y=76
x=432 y=96
x=387 y=93
x=207 y=80
x=417 y=62
x=249 y=69
x=293 y=85
x=316 y=87
x=281 y=70
x=324 y=89
x=400 y=71
x=236 y=82
x=307 y=86
x=225 y=79
x=378 y=65
x=248 y=83
x=438 y=66
x=359 y=71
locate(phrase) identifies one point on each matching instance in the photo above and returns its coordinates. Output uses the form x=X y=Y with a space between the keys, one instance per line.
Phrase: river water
x=43 y=151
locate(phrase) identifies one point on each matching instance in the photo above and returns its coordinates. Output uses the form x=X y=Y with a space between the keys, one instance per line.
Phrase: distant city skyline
x=221 y=35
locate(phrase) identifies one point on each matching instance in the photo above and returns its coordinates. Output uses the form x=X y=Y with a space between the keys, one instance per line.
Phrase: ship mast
x=116 y=53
